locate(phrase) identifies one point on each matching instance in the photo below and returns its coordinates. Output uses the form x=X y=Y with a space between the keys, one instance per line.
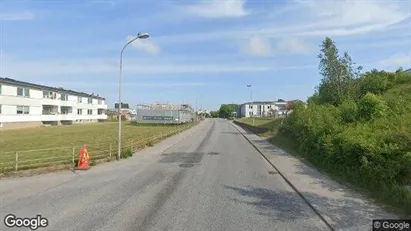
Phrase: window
x=89 y=112
x=0 y=108
x=0 y=89
x=49 y=95
x=64 y=97
x=89 y=100
x=79 y=99
x=250 y=106
x=79 y=111
x=99 y=101
x=25 y=92
x=23 y=110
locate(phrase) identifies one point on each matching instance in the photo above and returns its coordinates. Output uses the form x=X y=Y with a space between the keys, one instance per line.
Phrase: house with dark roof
x=24 y=104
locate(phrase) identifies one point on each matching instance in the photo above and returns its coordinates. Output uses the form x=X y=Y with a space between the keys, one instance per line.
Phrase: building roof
x=43 y=87
x=408 y=71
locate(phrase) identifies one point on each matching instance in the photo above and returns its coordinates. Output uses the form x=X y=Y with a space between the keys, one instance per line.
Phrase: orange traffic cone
x=83 y=159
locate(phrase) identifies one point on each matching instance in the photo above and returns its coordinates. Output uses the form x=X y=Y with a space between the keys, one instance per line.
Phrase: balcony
x=50 y=110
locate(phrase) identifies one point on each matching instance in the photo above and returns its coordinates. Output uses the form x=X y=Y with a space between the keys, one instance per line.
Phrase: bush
x=349 y=111
x=374 y=82
x=126 y=153
x=371 y=107
x=367 y=143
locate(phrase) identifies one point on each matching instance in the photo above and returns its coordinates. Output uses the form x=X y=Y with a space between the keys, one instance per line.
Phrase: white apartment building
x=263 y=108
x=24 y=104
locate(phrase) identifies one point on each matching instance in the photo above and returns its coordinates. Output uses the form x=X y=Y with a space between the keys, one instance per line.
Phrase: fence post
x=73 y=155
x=110 y=150
x=17 y=160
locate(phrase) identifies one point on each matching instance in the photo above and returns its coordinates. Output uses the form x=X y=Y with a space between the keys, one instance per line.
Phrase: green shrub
x=126 y=153
x=349 y=111
x=371 y=107
x=374 y=82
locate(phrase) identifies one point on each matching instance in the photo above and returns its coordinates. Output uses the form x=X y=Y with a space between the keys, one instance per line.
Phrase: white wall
x=35 y=118
x=9 y=101
x=245 y=110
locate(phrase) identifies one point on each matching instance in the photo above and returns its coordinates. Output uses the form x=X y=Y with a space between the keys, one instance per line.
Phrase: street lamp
x=201 y=95
x=251 y=102
x=139 y=36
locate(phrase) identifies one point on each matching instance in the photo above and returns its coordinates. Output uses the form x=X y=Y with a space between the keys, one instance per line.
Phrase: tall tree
x=226 y=111
x=339 y=75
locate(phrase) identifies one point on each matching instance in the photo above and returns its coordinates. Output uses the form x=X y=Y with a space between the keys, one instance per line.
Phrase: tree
x=214 y=114
x=339 y=75
x=226 y=111
x=376 y=82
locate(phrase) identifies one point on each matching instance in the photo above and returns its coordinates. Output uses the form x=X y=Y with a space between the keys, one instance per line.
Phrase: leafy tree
x=214 y=114
x=375 y=82
x=371 y=107
x=349 y=111
x=338 y=73
x=226 y=111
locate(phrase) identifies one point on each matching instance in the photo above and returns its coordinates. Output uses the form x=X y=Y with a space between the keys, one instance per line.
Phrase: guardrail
x=23 y=160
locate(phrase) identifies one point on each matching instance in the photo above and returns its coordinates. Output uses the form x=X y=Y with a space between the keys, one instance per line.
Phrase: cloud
x=93 y=68
x=365 y=12
x=262 y=46
x=146 y=45
x=310 y=19
x=219 y=8
x=89 y=69
x=294 y=46
x=396 y=61
x=127 y=84
x=257 y=46
x=20 y=16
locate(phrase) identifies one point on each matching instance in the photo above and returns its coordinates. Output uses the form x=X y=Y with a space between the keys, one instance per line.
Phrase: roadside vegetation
x=356 y=127
x=60 y=145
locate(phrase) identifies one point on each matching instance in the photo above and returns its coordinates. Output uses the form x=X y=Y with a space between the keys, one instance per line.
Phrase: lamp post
x=139 y=36
x=196 y=109
x=251 y=102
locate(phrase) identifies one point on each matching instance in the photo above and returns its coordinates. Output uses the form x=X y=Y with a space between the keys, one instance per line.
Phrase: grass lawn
x=37 y=147
x=264 y=127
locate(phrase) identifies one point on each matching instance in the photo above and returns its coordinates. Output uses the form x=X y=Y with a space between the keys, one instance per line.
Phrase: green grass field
x=44 y=146
x=265 y=127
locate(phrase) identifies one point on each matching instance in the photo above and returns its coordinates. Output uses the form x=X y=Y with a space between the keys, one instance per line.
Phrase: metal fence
x=22 y=160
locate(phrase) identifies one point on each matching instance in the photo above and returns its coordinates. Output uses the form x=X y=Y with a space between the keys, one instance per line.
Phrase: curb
x=285 y=179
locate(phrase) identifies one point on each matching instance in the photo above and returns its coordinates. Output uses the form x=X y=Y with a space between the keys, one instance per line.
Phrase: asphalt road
x=210 y=179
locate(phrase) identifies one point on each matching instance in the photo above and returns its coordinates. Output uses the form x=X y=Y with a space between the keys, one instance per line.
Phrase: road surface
x=209 y=178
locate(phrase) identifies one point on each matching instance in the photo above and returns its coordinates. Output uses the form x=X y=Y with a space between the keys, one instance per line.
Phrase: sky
x=203 y=53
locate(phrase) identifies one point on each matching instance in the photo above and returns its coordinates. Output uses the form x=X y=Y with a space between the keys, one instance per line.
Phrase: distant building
x=123 y=106
x=24 y=104
x=263 y=109
x=164 y=113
